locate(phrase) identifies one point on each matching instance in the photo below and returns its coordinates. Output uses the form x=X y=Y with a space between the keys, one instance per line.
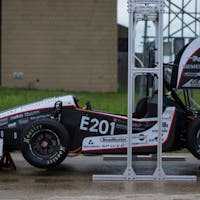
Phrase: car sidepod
x=106 y=133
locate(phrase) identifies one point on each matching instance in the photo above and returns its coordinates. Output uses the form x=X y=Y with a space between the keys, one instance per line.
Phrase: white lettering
x=84 y=123
x=103 y=127
x=95 y=124
x=112 y=125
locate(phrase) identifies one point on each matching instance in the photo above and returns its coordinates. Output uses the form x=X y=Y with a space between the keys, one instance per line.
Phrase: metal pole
x=142 y=78
x=160 y=89
x=195 y=16
x=159 y=173
x=182 y=19
x=129 y=173
x=169 y=19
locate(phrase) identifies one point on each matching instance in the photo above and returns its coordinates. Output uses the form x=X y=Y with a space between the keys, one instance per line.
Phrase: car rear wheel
x=45 y=143
x=193 y=138
x=141 y=107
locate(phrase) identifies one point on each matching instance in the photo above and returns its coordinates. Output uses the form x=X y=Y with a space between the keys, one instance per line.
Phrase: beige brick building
x=64 y=44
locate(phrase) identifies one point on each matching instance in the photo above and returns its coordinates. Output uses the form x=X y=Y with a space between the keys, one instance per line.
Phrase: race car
x=46 y=131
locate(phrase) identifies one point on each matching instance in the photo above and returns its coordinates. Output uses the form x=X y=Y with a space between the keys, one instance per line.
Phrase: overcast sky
x=122 y=14
x=122 y=18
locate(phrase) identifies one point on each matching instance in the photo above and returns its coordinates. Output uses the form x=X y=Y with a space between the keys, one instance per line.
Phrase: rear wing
x=185 y=73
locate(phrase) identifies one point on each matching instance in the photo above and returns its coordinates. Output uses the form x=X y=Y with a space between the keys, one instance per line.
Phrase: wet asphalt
x=73 y=180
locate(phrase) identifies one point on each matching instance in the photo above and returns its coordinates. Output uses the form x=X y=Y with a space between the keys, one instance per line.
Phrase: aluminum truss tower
x=150 y=10
x=182 y=20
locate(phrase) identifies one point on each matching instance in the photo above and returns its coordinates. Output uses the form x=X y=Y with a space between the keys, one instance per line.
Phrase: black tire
x=141 y=107
x=193 y=138
x=45 y=143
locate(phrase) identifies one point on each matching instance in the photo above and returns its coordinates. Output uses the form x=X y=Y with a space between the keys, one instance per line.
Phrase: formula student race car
x=46 y=131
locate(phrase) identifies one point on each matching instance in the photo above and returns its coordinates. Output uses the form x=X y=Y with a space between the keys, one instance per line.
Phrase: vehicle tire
x=141 y=107
x=193 y=138
x=45 y=143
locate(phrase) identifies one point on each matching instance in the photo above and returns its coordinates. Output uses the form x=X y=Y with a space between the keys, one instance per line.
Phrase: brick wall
x=65 y=44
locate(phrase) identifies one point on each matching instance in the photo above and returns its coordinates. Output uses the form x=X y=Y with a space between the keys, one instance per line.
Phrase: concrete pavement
x=73 y=180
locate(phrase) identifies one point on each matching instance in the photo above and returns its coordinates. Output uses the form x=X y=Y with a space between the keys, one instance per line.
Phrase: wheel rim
x=45 y=143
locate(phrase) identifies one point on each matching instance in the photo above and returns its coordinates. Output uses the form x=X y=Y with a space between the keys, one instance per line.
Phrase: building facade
x=65 y=44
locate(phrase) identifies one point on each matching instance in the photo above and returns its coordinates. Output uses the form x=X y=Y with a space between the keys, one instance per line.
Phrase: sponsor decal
x=16 y=117
x=145 y=138
x=2 y=133
x=164 y=125
x=121 y=126
x=195 y=58
x=12 y=125
x=190 y=75
x=192 y=66
x=40 y=117
x=113 y=139
x=15 y=135
x=3 y=122
x=192 y=83
x=90 y=142
x=31 y=132
x=34 y=108
x=189 y=64
x=57 y=156
x=28 y=114
x=23 y=121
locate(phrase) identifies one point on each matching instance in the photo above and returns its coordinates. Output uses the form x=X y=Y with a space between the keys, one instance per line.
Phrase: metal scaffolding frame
x=150 y=10
x=181 y=13
x=184 y=12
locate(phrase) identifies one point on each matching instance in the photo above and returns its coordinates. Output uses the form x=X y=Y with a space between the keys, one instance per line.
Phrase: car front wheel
x=45 y=143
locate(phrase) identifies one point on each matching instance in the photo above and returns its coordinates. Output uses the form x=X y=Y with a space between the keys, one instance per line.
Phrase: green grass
x=109 y=102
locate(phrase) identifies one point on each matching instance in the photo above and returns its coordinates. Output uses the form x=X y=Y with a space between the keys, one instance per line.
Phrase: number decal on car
x=95 y=125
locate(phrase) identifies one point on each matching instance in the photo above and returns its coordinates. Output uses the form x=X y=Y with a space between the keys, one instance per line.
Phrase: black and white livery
x=46 y=131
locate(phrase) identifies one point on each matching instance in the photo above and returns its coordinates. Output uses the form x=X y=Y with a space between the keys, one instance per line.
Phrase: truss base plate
x=142 y=158
x=143 y=178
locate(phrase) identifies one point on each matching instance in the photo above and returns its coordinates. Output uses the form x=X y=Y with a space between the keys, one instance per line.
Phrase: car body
x=46 y=131
x=89 y=131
